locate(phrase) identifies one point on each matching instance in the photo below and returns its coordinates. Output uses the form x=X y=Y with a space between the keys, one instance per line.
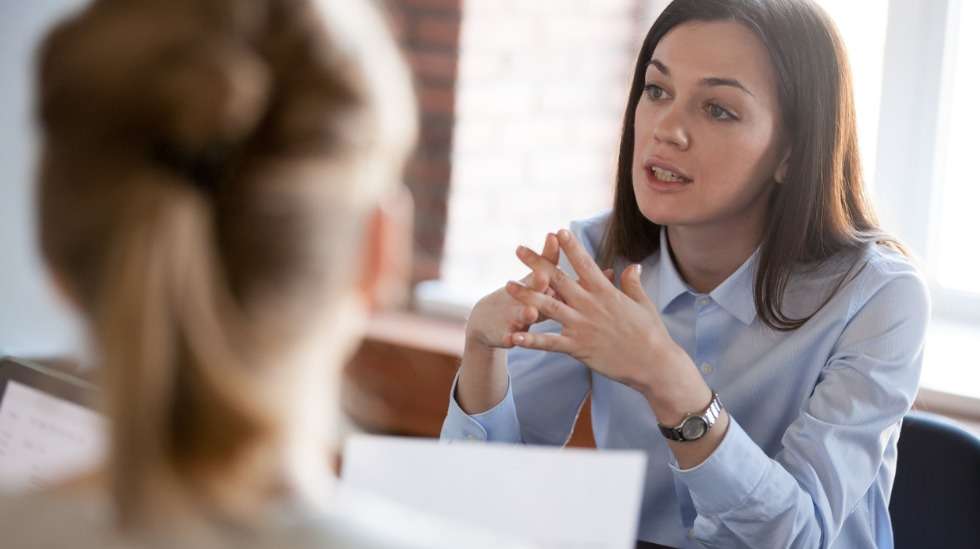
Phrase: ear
x=780 y=175
x=387 y=252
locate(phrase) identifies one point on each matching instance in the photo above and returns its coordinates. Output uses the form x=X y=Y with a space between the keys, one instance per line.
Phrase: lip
x=660 y=185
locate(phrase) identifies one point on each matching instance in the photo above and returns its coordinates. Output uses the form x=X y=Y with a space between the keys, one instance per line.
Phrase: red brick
x=440 y=32
x=434 y=66
x=436 y=134
x=437 y=99
x=427 y=170
x=445 y=6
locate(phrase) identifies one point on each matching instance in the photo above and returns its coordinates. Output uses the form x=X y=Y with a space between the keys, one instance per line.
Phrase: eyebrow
x=709 y=81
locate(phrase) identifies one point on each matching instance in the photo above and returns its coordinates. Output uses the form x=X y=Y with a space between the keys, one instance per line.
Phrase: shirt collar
x=736 y=294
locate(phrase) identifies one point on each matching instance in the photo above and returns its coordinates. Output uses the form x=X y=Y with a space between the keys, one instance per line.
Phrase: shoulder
x=851 y=280
x=44 y=520
x=591 y=231
x=890 y=278
x=885 y=305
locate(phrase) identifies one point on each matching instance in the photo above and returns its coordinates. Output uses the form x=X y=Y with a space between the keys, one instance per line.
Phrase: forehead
x=725 y=49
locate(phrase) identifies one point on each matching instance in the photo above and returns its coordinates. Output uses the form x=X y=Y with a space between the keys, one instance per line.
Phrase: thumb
x=632 y=287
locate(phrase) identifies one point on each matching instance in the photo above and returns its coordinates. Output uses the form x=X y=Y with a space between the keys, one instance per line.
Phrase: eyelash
x=727 y=115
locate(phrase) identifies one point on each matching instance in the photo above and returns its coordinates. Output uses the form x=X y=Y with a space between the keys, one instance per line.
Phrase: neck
x=312 y=434
x=706 y=255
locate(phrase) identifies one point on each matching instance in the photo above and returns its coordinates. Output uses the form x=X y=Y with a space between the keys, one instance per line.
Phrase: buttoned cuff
x=498 y=424
x=729 y=475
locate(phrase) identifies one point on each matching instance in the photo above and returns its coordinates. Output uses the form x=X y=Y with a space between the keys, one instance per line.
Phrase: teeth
x=665 y=175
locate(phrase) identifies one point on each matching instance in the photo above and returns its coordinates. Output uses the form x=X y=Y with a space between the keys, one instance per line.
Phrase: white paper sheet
x=44 y=439
x=556 y=498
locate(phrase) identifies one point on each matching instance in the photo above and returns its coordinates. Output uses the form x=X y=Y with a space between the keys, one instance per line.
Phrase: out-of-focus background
x=521 y=107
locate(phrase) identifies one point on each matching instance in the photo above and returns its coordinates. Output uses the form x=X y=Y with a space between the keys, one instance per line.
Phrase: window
x=863 y=26
x=956 y=264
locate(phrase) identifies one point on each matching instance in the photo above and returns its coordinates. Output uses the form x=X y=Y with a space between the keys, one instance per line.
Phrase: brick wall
x=429 y=33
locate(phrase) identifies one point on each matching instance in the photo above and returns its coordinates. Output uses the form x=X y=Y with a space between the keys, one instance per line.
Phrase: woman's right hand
x=497 y=316
x=483 y=378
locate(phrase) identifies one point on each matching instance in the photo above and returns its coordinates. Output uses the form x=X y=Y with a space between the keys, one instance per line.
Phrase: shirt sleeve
x=545 y=391
x=833 y=452
x=498 y=424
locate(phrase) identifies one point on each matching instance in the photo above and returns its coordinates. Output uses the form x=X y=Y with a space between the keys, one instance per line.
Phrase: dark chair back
x=936 y=498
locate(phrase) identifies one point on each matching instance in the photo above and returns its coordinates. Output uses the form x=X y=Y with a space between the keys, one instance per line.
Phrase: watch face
x=694 y=428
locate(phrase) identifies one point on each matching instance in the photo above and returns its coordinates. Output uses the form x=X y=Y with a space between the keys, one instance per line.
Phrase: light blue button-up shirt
x=809 y=456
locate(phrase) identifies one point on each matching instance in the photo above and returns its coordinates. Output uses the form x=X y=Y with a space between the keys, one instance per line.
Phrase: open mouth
x=667 y=176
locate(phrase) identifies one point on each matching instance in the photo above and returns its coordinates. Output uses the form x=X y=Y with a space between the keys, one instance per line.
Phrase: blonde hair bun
x=213 y=94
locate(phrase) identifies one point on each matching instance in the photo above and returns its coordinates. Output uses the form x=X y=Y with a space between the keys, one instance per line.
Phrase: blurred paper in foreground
x=567 y=498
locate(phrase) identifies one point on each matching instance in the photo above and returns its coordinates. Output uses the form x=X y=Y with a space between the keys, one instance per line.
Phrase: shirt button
x=690 y=534
x=707 y=368
x=702 y=302
x=470 y=436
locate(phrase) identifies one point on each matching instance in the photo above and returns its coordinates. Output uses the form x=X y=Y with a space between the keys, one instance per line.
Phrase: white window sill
x=951 y=369
x=436 y=298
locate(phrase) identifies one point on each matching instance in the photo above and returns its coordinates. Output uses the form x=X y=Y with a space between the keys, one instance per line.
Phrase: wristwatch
x=695 y=425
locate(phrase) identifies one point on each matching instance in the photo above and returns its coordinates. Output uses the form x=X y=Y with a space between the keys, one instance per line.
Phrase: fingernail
x=521 y=250
x=518 y=338
x=563 y=235
x=639 y=269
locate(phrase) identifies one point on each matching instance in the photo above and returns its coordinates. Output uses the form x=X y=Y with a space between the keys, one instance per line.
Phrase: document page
x=44 y=439
x=555 y=498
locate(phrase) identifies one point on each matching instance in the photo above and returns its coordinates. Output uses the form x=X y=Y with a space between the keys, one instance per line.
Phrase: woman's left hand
x=618 y=334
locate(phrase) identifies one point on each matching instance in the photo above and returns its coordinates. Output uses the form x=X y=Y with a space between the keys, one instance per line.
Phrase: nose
x=669 y=129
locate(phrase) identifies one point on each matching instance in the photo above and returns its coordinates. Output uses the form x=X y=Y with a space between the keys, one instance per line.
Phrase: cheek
x=644 y=123
x=642 y=131
x=736 y=162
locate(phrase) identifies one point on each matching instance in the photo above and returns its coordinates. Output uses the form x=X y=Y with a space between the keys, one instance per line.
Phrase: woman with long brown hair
x=219 y=199
x=765 y=338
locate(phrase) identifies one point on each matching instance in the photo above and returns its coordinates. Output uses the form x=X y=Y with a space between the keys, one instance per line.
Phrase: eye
x=719 y=113
x=654 y=92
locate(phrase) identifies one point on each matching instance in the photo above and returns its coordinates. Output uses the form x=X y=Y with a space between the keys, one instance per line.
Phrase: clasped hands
x=617 y=332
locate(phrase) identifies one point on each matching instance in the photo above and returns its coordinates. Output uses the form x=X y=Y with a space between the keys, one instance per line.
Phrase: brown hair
x=207 y=168
x=821 y=209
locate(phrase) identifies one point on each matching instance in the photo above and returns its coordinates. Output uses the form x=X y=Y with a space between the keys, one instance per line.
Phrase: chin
x=661 y=210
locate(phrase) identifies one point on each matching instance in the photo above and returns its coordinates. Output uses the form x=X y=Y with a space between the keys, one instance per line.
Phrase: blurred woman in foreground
x=218 y=198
